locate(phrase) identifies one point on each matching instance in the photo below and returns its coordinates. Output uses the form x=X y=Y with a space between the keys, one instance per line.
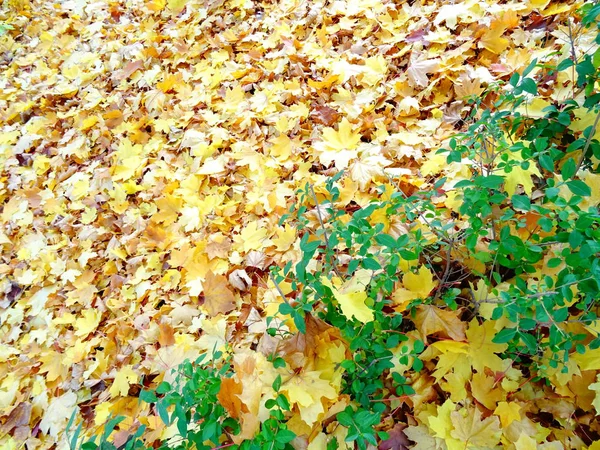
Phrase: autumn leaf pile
x=148 y=150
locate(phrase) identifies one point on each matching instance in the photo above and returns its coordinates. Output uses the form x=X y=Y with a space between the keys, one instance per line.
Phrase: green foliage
x=498 y=143
x=504 y=139
x=192 y=404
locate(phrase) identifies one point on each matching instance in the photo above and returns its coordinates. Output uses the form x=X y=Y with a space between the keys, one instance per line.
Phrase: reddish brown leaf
x=397 y=439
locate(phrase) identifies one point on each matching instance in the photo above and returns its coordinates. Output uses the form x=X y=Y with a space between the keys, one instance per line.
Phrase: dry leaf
x=218 y=299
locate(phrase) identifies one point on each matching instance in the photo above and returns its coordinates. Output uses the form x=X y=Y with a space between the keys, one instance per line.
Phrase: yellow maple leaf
x=520 y=176
x=218 y=298
x=338 y=145
x=176 y=5
x=123 y=379
x=474 y=432
x=481 y=348
x=57 y=413
x=590 y=360
x=306 y=390
x=253 y=237
x=484 y=390
x=351 y=296
x=508 y=412
x=442 y=426
x=525 y=442
x=285 y=238
x=430 y=320
x=416 y=285
x=492 y=40
x=595 y=387
x=88 y=323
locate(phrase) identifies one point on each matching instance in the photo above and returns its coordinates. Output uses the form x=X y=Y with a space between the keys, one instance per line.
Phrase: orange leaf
x=218 y=299
x=228 y=397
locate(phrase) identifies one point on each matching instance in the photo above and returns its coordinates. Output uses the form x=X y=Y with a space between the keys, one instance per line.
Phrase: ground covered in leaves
x=148 y=150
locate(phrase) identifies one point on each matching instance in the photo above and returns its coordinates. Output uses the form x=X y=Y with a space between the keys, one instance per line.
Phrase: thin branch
x=278 y=288
x=588 y=141
x=329 y=249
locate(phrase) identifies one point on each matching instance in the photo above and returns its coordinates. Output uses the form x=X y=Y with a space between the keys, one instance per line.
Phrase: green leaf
x=386 y=240
x=504 y=336
x=578 y=187
x=565 y=64
x=568 y=169
x=277 y=383
x=514 y=79
x=490 y=182
x=371 y=264
x=285 y=436
x=596 y=58
x=529 y=85
x=521 y=202
x=163 y=388
x=575 y=239
x=286 y=309
x=547 y=163
x=310 y=247
x=148 y=396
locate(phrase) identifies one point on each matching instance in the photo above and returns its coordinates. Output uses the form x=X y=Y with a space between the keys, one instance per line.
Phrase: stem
x=278 y=288
x=588 y=142
x=329 y=249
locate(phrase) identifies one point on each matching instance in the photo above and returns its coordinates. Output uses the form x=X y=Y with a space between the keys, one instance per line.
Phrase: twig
x=278 y=288
x=329 y=249
x=588 y=142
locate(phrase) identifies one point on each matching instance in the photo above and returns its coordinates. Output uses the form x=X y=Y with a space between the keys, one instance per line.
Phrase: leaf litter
x=148 y=151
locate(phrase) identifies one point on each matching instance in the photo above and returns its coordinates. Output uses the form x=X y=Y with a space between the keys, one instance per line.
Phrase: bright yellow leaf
x=123 y=379
x=352 y=295
x=508 y=412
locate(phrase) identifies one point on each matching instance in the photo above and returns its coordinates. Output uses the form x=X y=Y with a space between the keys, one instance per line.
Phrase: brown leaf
x=218 y=299
x=19 y=416
x=325 y=115
x=433 y=320
x=397 y=439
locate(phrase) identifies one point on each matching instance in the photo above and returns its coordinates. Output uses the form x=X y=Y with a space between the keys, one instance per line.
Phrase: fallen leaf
x=218 y=298
x=431 y=320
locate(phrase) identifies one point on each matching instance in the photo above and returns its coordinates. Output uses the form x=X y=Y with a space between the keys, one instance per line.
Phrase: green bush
x=492 y=228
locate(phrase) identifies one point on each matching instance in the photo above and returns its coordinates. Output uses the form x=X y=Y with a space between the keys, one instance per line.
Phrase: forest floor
x=148 y=151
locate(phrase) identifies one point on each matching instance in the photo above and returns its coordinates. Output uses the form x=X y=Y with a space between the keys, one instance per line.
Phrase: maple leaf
x=474 y=432
x=218 y=298
x=431 y=320
x=253 y=237
x=485 y=391
x=18 y=417
x=229 y=397
x=397 y=439
x=417 y=285
x=492 y=40
x=442 y=426
x=595 y=387
x=306 y=390
x=352 y=295
x=56 y=416
x=338 y=145
x=123 y=379
x=423 y=439
x=481 y=348
x=419 y=68
x=526 y=442
x=508 y=412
